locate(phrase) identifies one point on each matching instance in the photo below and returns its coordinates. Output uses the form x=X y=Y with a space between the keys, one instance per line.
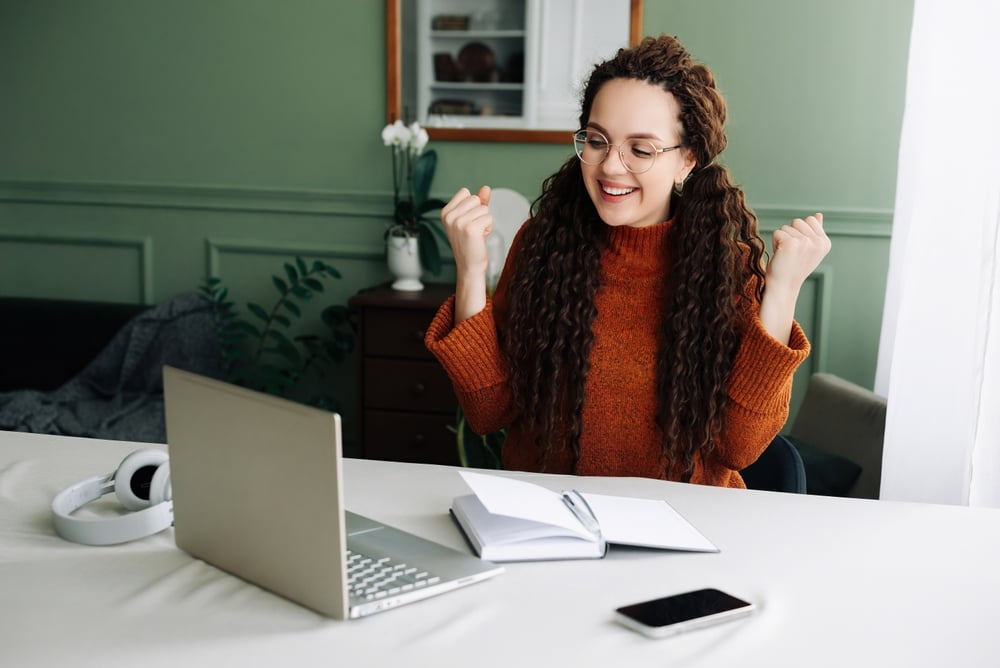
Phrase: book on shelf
x=506 y=519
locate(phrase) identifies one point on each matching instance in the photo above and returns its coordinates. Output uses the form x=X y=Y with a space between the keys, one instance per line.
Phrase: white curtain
x=939 y=353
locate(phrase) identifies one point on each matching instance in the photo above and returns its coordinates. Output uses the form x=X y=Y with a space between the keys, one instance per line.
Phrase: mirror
x=469 y=66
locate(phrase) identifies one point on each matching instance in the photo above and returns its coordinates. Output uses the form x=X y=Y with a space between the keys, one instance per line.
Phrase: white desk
x=840 y=582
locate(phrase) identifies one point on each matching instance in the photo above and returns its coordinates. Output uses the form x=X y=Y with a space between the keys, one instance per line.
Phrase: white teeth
x=617 y=191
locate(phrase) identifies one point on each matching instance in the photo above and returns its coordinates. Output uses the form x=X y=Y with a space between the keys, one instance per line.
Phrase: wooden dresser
x=406 y=399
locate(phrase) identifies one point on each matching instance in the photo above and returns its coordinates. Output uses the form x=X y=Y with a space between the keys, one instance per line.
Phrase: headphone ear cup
x=160 y=489
x=134 y=477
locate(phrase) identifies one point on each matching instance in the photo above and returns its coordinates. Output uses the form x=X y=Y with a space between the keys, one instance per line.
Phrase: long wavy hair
x=716 y=278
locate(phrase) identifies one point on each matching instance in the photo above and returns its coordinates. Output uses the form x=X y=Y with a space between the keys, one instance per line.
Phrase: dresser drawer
x=408 y=385
x=410 y=437
x=396 y=333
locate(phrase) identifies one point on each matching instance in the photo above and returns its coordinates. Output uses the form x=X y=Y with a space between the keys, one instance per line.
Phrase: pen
x=582 y=511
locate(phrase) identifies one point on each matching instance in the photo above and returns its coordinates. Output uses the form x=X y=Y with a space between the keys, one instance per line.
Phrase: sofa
x=46 y=342
x=93 y=369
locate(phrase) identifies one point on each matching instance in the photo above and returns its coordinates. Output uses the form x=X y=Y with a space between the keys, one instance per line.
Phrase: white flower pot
x=403 y=258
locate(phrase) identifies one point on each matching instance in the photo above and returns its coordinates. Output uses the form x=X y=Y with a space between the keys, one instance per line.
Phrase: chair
x=778 y=469
x=510 y=209
x=839 y=429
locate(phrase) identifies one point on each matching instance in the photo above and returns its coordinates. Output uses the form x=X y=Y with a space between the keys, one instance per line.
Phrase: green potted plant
x=412 y=237
x=481 y=451
x=262 y=353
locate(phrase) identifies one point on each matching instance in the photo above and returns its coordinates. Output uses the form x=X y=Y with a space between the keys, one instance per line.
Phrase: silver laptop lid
x=257 y=488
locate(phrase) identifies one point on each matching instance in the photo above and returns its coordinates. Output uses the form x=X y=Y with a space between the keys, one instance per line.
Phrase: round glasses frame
x=642 y=151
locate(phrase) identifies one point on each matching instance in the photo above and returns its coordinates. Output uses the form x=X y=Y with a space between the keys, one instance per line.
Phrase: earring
x=678 y=188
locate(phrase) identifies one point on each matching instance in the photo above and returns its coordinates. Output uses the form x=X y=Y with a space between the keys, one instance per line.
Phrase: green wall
x=144 y=144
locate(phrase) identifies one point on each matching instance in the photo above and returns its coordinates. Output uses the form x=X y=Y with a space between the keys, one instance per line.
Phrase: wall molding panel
x=32 y=247
x=216 y=248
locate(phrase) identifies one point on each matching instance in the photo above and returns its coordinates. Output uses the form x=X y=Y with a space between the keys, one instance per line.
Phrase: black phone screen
x=682 y=607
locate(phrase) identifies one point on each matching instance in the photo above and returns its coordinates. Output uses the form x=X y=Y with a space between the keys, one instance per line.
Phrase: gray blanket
x=119 y=395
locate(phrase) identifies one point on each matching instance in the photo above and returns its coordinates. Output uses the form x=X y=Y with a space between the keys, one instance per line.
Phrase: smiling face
x=628 y=109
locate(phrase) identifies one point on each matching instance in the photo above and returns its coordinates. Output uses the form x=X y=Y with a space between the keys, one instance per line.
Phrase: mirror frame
x=393 y=89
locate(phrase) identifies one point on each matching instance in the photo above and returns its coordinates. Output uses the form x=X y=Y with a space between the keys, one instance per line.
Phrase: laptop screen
x=257 y=488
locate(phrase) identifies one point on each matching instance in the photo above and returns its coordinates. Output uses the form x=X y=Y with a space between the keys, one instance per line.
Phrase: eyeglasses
x=638 y=155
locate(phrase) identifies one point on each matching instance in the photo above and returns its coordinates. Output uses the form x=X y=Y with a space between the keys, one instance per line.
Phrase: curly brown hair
x=717 y=255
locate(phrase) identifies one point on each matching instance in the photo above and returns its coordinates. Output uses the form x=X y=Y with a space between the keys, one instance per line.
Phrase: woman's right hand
x=467 y=222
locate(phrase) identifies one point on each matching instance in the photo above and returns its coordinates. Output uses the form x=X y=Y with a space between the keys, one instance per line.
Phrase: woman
x=635 y=330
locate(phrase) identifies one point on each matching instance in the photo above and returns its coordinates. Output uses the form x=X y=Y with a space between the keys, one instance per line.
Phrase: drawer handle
x=419 y=334
x=419 y=440
x=419 y=389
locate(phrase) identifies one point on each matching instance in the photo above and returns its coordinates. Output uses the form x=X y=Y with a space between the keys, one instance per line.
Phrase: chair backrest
x=510 y=209
x=778 y=469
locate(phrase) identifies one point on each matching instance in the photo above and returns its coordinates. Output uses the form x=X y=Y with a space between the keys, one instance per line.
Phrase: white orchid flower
x=418 y=138
x=396 y=135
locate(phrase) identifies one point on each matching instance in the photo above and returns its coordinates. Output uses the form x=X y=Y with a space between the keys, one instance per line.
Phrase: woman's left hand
x=798 y=249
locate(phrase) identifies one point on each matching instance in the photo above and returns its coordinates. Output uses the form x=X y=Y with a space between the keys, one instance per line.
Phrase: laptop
x=258 y=492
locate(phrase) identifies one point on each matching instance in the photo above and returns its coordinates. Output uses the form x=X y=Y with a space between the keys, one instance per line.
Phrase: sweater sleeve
x=470 y=354
x=760 y=390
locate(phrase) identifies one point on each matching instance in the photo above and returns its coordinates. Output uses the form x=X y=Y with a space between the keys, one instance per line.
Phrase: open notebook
x=506 y=519
x=257 y=491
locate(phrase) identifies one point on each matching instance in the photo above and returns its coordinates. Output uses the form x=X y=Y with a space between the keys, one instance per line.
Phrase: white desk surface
x=839 y=582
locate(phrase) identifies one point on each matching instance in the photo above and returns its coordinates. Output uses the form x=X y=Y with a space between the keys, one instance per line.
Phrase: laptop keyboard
x=371 y=578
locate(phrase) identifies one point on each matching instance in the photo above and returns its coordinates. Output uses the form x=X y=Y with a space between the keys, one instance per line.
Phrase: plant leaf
x=301 y=264
x=313 y=284
x=277 y=336
x=423 y=174
x=435 y=227
x=430 y=256
x=430 y=205
x=292 y=308
x=292 y=274
x=280 y=284
x=258 y=311
x=247 y=328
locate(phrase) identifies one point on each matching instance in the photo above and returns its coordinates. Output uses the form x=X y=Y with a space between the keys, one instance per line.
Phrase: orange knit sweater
x=620 y=436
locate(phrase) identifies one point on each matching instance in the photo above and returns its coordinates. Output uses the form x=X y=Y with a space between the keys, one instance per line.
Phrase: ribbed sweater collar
x=636 y=251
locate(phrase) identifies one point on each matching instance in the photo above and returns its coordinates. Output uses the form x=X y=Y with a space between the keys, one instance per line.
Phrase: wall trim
x=840 y=222
x=215 y=247
x=846 y=221
x=211 y=198
x=143 y=246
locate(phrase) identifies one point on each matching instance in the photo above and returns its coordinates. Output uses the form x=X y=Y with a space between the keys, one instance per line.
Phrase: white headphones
x=141 y=483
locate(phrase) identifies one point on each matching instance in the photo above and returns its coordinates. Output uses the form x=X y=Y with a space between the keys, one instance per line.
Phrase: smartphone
x=670 y=615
